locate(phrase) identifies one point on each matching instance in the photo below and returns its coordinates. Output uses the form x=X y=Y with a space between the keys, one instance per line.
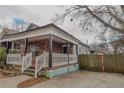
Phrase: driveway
x=85 y=79
x=12 y=82
x=79 y=79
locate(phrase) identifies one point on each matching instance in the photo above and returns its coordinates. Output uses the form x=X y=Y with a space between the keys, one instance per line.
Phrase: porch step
x=30 y=71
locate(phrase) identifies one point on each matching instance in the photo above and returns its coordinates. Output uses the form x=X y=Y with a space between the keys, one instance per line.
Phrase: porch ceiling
x=56 y=39
x=37 y=38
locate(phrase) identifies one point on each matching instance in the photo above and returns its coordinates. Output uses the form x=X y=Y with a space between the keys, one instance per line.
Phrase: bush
x=14 y=51
x=2 y=55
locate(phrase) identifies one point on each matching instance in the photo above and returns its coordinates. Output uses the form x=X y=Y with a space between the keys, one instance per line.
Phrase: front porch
x=47 y=51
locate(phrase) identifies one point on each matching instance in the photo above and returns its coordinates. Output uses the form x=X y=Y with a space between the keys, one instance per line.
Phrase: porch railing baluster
x=14 y=59
x=27 y=61
x=41 y=62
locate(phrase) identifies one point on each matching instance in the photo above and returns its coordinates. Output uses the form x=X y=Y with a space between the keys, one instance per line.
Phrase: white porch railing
x=41 y=62
x=14 y=59
x=62 y=59
x=27 y=61
x=73 y=58
x=59 y=59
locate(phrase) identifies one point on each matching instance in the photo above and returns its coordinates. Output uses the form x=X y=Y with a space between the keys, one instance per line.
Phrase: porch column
x=7 y=47
x=50 y=51
x=77 y=53
x=68 y=54
x=77 y=49
x=74 y=49
x=12 y=45
x=26 y=43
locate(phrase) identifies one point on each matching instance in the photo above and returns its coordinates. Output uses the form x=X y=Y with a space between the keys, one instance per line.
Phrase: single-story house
x=42 y=47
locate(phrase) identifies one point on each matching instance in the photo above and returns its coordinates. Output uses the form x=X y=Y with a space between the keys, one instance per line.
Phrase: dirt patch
x=3 y=75
x=31 y=82
x=9 y=72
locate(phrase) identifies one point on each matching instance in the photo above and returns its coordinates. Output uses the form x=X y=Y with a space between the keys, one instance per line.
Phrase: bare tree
x=108 y=16
x=14 y=26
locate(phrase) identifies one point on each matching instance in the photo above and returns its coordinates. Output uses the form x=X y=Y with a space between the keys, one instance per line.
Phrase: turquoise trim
x=60 y=71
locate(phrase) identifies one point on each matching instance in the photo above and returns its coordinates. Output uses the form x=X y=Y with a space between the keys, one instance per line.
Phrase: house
x=118 y=46
x=114 y=46
x=42 y=47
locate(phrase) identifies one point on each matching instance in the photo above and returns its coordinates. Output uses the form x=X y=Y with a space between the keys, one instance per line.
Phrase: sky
x=41 y=15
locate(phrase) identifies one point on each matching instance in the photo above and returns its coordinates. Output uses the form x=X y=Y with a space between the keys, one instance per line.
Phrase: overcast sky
x=41 y=15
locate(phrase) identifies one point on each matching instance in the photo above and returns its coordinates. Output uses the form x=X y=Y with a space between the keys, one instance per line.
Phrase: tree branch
x=103 y=22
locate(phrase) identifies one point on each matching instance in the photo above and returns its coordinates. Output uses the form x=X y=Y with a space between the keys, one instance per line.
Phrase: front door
x=64 y=50
x=33 y=50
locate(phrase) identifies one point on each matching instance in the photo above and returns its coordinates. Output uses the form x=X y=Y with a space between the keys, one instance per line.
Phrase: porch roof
x=39 y=31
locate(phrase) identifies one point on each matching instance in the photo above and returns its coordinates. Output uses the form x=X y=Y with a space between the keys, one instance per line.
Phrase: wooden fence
x=107 y=63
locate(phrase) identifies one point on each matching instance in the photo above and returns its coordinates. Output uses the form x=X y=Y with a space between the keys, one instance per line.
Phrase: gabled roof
x=32 y=26
x=7 y=31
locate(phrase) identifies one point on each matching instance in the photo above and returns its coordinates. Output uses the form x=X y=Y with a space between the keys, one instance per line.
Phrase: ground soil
x=31 y=82
x=3 y=75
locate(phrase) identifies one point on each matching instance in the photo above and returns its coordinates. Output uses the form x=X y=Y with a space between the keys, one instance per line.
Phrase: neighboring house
x=43 y=47
x=6 y=31
x=104 y=48
x=118 y=46
x=112 y=47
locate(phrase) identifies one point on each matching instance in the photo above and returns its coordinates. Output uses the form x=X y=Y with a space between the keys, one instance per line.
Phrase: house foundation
x=50 y=73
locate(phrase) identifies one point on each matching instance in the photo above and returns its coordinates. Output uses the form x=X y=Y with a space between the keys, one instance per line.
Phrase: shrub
x=2 y=55
x=14 y=51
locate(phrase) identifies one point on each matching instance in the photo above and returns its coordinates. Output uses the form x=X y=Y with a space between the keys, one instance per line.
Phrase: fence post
x=102 y=60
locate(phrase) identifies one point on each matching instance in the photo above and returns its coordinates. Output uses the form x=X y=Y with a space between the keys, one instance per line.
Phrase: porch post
x=50 y=51
x=7 y=50
x=7 y=47
x=77 y=49
x=77 y=53
x=12 y=45
x=26 y=43
x=68 y=54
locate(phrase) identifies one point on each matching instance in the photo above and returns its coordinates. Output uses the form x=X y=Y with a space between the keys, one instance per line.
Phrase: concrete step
x=29 y=73
x=30 y=70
